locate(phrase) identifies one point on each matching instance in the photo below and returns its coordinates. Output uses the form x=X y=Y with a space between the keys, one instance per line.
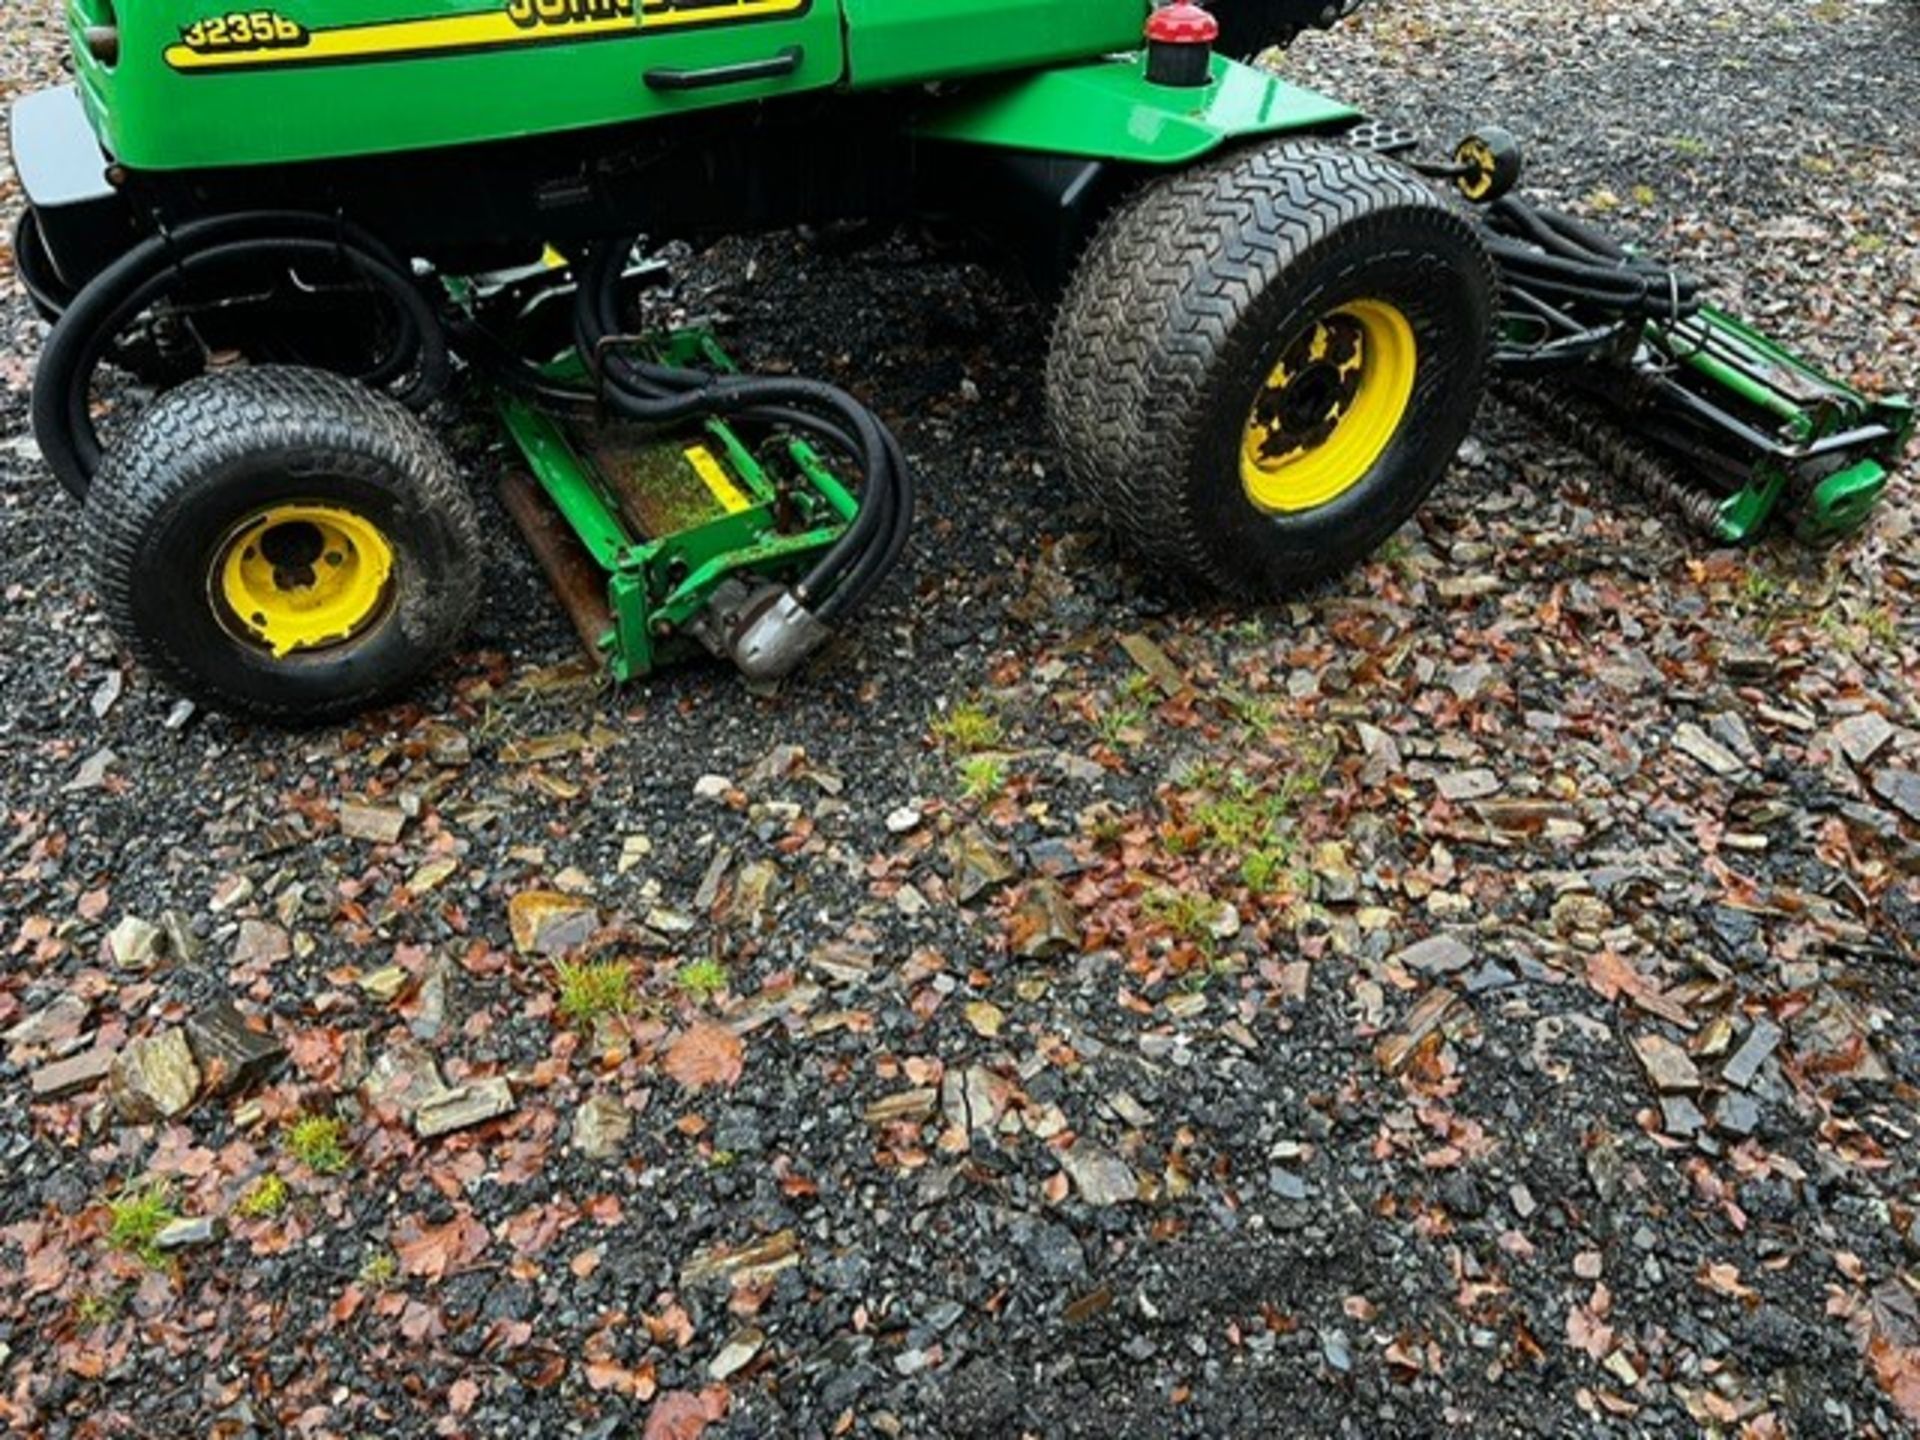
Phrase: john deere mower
x=269 y=240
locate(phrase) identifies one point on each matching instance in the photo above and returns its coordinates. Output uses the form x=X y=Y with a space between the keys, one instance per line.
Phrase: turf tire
x=1188 y=297
x=203 y=457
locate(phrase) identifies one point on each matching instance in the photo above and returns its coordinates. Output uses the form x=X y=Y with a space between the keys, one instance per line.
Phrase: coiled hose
x=415 y=366
x=660 y=395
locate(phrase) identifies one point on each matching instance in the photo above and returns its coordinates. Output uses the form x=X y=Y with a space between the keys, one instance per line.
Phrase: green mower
x=268 y=240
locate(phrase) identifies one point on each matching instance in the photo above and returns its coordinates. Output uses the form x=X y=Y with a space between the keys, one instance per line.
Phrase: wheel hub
x=296 y=578
x=1329 y=407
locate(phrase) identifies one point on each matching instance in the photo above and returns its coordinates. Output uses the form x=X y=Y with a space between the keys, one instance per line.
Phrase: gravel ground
x=1477 y=1000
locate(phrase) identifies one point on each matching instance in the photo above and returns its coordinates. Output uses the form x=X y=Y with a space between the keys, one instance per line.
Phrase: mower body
x=195 y=87
x=472 y=132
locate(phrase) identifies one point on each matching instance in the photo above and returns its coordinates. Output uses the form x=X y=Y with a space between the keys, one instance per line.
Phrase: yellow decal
x=240 y=31
x=258 y=38
x=717 y=480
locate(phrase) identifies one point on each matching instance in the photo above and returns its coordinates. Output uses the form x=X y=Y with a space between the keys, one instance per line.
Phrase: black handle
x=771 y=68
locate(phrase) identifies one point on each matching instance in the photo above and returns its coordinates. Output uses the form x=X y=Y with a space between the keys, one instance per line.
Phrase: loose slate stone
x=986 y=1018
x=1762 y=1040
x=463 y=1108
x=447 y=746
x=749 y=1265
x=978 y=866
x=92 y=773
x=232 y=1055
x=907 y=1105
x=137 y=944
x=60 y=1020
x=736 y=1354
x=1680 y=1116
x=1056 y=858
x=1668 y=1066
x=432 y=875
x=1692 y=741
x=403 y=1076
x=601 y=1127
x=1155 y=662
x=183 y=945
x=1863 y=736
x=1900 y=789
x=1101 y=1177
x=386 y=983
x=185 y=1234
x=1286 y=1184
x=1045 y=924
x=547 y=922
x=1436 y=955
x=754 y=892
x=1423 y=1021
x=1334 y=878
x=1129 y=1110
x=154 y=1079
x=260 y=943
x=1738 y=1114
x=76 y=1072
x=1832 y=1034
x=378 y=824
x=1459 y=785
x=974 y=1098
x=842 y=963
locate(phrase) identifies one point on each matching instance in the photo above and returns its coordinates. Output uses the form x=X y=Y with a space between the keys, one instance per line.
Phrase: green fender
x=1107 y=110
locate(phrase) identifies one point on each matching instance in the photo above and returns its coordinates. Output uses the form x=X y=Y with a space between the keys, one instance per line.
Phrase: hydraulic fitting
x=774 y=635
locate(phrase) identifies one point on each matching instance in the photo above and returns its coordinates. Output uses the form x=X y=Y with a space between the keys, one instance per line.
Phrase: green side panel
x=199 y=84
x=897 y=42
x=1107 y=110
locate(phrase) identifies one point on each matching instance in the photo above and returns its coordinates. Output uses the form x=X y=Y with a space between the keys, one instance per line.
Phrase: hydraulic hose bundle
x=1559 y=258
x=413 y=366
x=662 y=395
x=1576 y=293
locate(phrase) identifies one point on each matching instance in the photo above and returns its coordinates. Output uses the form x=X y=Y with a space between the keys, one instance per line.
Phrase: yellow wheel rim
x=1329 y=409
x=296 y=578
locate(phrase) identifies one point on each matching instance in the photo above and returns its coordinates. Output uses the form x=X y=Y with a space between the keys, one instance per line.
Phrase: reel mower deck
x=671 y=543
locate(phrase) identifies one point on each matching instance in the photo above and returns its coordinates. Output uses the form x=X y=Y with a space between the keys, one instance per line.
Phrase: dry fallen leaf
x=432 y=1251
x=1724 y=1279
x=461 y=1395
x=1897 y=1368
x=685 y=1414
x=671 y=1326
x=705 y=1054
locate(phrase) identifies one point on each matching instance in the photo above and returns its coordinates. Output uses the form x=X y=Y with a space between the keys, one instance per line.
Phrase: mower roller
x=269 y=241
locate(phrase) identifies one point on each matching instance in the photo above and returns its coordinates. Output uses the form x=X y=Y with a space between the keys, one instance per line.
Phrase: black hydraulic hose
x=664 y=395
x=1520 y=255
x=62 y=410
x=1582 y=234
x=1657 y=294
x=480 y=347
x=1560 y=256
x=877 y=563
x=1556 y=233
x=35 y=267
